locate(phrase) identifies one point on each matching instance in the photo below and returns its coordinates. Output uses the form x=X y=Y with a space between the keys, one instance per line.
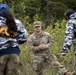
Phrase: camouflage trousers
x=9 y=64
x=51 y=59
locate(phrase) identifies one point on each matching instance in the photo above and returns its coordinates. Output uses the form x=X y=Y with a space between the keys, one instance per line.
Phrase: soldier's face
x=37 y=29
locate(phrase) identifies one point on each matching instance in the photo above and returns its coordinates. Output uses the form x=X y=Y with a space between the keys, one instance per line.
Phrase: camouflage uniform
x=12 y=64
x=70 y=35
x=41 y=56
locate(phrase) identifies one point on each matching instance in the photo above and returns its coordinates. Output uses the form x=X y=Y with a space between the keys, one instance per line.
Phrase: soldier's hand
x=42 y=46
x=62 y=57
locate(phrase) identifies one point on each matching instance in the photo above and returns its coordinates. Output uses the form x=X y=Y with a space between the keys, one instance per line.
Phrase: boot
x=70 y=73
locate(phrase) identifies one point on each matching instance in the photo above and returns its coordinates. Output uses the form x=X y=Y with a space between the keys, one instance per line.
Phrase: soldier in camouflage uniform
x=40 y=42
x=12 y=33
x=70 y=33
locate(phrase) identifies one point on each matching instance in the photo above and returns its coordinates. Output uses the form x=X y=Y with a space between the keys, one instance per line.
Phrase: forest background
x=51 y=14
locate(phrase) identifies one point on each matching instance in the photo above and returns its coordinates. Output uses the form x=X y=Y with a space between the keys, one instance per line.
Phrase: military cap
x=37 y=23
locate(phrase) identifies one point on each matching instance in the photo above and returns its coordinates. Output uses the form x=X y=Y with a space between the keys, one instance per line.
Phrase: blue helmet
x=4 y=6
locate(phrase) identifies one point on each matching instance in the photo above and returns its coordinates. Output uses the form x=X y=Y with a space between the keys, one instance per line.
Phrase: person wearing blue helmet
x=12 y=33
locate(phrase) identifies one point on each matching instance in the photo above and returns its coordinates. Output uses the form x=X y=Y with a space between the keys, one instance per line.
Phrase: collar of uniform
x=42 y=33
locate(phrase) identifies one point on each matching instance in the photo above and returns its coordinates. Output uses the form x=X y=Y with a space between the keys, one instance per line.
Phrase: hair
x=10 y=22
x=68 y=13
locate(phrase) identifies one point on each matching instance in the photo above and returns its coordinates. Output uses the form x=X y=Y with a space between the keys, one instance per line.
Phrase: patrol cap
x=4 y=6
x=37 y=23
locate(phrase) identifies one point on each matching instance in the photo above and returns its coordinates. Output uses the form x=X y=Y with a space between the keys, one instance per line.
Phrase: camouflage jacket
x=35 y=40
x=69 y=34
x=21 y=35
